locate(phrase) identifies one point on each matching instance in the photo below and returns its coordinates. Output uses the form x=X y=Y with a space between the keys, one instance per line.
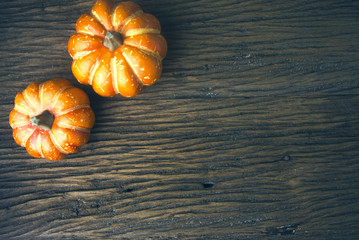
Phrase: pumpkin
x=117 y=49
x=51 y=119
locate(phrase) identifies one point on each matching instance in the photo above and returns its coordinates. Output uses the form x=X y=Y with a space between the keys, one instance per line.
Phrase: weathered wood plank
x=251 y=132
x=194 y=168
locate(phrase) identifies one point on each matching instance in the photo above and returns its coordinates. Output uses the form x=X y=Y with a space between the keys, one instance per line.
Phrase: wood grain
x=251 y=132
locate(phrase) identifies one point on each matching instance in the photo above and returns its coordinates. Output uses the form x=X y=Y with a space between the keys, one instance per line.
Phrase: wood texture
x=250 y=133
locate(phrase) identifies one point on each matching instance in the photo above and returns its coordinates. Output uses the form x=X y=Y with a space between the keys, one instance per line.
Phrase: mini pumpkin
x=117 y=49
x=51 y=119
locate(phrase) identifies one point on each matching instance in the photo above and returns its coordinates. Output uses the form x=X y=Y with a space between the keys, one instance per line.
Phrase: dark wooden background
x=251 y=132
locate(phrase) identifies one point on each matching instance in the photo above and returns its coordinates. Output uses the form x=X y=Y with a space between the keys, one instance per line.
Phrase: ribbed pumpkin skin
x=73 y=119
x=125 y=69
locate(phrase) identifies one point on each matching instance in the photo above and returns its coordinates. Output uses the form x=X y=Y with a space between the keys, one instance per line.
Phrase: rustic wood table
x=251 y=132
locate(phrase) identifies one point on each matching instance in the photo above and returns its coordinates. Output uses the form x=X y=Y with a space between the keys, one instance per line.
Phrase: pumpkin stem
x=43 y=121
x=113 y=40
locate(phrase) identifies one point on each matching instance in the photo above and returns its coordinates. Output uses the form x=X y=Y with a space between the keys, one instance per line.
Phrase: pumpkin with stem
x=117 y=49
x=51 y=119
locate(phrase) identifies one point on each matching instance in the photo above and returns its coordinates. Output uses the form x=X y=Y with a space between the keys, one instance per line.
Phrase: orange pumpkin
x=51 y=119
x=117 y=49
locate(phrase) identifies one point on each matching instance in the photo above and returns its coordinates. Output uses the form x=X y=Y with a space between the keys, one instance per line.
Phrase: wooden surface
x=251 y=132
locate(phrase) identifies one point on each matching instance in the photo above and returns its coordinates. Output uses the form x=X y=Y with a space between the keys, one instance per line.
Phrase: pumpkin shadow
x=170 y=29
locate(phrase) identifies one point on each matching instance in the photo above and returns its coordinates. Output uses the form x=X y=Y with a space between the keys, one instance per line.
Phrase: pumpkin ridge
x=27 y=137
x=38 y=144
x=106 y=9
x=87 y=33
x=146 y=51
x=95 y=16
x=41 y=95
x=57 y=144
x=94 y=68
x=115 y=64
x=87 y=62
x=129 y=63
x=29 y=101
x=155 y=43
x=81 y=44
x=138 y=31
x=72 y=127
x=88 y=24
x=55 y=98
x=69 y=140
x=113 y=16
x=32 y=144
x=135 y=69
x=58 y=114
x=20 y=124
x=81 y=54
x=129 y=18
x=23 y=110
x=15 y=121
x=26 y=110
x=114 y=74
x=122 y=11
